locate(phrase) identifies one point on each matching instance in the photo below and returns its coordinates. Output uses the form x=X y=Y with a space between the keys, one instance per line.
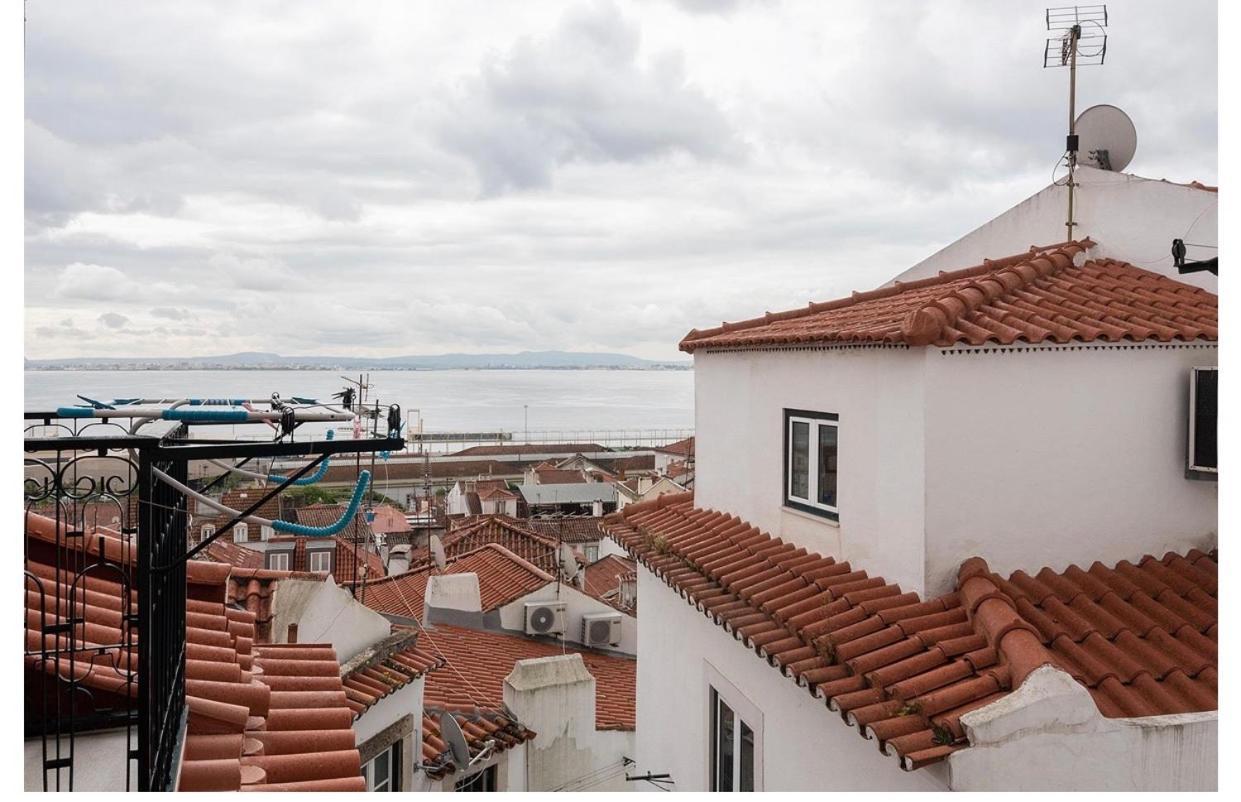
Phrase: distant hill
x=253 y=360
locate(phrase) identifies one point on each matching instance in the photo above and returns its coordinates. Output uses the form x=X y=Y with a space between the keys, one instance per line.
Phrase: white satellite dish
x=1107 y=138
x=457 y=746
x=568 y=562
x=437 y=551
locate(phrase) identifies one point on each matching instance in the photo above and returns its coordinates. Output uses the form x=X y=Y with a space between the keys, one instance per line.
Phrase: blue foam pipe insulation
x=319 y=473
x=206 y=415
x=75 y=412
x=364 y=480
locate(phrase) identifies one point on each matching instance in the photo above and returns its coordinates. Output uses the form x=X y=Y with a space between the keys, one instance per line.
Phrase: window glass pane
x=827 y=465
x=240 y=533
x=746 y=782
x=799 y=463
x=724 y=744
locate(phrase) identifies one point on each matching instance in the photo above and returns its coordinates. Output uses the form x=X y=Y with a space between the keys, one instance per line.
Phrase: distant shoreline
x=192 y=368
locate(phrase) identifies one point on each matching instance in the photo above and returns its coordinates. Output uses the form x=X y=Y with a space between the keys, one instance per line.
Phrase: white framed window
x=241 y=533
x=734 y=728
x=207 y=531
x=811 y=450
x=321 y=562
x=732 y=747
x=278 y=560
x=383 y=772
x=265 y=532
x=592 y=552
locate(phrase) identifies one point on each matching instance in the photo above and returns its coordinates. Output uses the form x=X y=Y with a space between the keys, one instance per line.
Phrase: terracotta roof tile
x=502 y=577
x=242 y=731
x=486 y=658
x=1049 y=294
x=514 y=535
x=567 y=529
x=1142 y=638
x=603 y=580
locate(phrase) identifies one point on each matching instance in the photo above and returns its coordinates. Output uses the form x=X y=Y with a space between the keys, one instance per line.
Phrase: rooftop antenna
x=568 y=564
x=1079 y=37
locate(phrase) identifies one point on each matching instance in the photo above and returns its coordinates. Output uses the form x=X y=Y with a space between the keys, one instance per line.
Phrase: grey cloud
x=113 y=320
x=581 y=94
x=170 y=313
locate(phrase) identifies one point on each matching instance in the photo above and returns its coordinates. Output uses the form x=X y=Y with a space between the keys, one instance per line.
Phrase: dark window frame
x=1197 y=450
x=785 y=499
x=737 y=779
x=487 y=779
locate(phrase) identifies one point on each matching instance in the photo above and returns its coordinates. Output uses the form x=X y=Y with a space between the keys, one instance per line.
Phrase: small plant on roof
x=660 y=544
x=823 y=647
x=909 y=709
x=941 y=735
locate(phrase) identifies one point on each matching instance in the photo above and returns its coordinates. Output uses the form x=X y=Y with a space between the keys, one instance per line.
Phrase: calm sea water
x=450 y=400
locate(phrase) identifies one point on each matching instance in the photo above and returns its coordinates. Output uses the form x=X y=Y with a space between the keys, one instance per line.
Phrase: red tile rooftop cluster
x=1049 y=294
x=1141 y=637
x=502 y=578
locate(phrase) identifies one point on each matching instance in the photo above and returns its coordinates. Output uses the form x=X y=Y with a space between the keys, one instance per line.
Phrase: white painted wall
x=577 y=605
x=609 y=546
x=1131 y=218
x=805 y=746
x=99 y=760
x=325 y=613
x=1044 y=457
x=1049 y=736
x=555 y=697
x=878 y=393
x=390 y=709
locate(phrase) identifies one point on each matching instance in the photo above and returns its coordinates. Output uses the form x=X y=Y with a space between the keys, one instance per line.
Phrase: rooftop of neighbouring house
x=511 y=533
x=485 y=658
x=290 y=731
x=567 y=529
x=1141 y=637
x=385 y=668
x=681 y=448
x=502 y=577
x=604 y=576
x=1052 y=293
x=530 y=448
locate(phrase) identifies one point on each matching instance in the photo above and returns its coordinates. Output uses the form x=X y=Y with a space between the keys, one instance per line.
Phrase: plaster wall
x=1048 y=735
x=804 y=746
x=878 y=394
x=405 y=702
x=609 y=546
x=1133 y=219
x=1053 y=457
x=99 y=763
x=555 y=696
x=325 y=613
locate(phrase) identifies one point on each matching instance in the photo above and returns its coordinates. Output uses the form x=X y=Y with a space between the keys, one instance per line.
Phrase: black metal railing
x=105 y=611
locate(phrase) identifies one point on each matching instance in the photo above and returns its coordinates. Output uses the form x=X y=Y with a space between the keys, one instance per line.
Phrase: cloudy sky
x=382 y=178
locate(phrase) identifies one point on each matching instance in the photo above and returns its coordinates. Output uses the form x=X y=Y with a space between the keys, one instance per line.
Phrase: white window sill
x=819 y=519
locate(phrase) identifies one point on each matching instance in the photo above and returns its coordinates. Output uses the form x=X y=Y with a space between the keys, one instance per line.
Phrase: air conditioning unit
x=545 y=618
x=601 y=629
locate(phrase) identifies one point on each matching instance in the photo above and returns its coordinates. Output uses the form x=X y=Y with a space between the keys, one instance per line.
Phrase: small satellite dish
x=568 y=562
x=437 y=551
x=1107 y=138
x=457 y=746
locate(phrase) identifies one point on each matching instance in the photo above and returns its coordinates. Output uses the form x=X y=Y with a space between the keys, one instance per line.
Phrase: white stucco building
x=876 y=475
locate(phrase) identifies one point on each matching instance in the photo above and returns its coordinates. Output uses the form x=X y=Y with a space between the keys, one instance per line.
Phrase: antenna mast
x=1082 y=40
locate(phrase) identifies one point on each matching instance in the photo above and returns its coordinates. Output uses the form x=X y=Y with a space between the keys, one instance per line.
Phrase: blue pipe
x=364 y=480
x=314 y=477
x=206 y=415
x=75 y=412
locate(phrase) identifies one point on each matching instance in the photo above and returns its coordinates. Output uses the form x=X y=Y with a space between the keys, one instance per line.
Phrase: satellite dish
x=457 y=746
x=568 y=562
x=1107 y=138
x=437 y=552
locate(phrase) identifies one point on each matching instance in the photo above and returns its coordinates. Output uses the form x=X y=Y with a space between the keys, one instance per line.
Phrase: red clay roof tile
x=232 y=712
x=1050 y=293
x=1142 y=638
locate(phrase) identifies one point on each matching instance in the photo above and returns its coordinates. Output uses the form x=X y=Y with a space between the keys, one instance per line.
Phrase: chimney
x=398 y=560
x=555 y=697
x=292 y=638
x=453 y=599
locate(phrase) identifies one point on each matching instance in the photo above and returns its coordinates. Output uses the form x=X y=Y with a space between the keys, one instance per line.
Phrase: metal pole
x=1074 y=33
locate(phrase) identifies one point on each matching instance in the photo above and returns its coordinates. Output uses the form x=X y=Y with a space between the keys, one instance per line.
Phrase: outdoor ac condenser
x=601 y=629
x=545 y=618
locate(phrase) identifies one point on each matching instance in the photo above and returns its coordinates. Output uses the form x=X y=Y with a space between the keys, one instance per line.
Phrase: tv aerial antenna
x=1079 y=38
